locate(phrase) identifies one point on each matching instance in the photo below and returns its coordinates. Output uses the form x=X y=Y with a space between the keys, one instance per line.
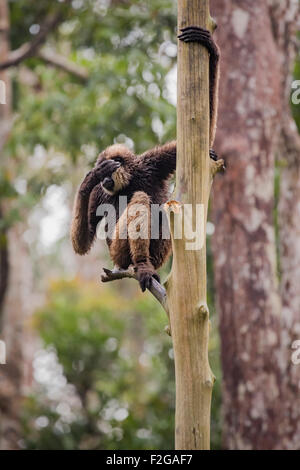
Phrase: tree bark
x=5 y=109
x=186 y=287
x=289 y=233
x=16 y=286
x=244 y=243
x=5 y=122
x=15 y=375
x=285 y=19
x=10 y=373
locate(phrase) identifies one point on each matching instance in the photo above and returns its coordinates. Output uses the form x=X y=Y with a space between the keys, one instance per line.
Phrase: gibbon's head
x=121 y=177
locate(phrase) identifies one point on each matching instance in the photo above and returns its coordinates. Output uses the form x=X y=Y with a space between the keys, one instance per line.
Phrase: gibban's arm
x=84 y=220
x=161 y=160
x=81 y=237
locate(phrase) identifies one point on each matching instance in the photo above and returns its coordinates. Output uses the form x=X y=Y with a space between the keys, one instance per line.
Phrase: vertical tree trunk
x=17 y=295
x=5 y=109
x=289 y=233
x=186 y=287
x=9 y=373
x=5 y=119
x=244 y=242
x=285 y=19
x=18 y=306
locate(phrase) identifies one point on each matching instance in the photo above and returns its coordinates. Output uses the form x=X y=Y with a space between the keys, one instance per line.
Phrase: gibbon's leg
x=204 y=37
x=119 y=247
x=131 y=239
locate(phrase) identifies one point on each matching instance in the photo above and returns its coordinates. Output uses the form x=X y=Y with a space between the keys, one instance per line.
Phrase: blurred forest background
x=89 y=366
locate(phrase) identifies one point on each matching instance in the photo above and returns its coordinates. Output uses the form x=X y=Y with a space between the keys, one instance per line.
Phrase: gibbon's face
x=121 y=175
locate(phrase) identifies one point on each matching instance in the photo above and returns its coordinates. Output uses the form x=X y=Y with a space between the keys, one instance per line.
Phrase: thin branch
x=61 y=62
x=29 y=49
x=156 y=289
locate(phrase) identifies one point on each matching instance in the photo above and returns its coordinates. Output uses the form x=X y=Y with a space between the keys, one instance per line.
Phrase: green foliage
x=117 y=357
x=125 y=50
x=119 y=362
x=214 y=354
x=112 y=105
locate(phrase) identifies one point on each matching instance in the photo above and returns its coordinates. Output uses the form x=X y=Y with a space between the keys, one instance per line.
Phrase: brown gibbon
x=144 y=181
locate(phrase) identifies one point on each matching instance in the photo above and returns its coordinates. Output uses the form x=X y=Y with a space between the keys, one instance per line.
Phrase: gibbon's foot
x=213 y=155
x=145 y=274
x=200 y=35
x=97 y=175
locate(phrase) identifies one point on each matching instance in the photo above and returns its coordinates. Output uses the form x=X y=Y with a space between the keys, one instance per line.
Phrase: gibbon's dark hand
x=193 y=34
x=200 y=35
x=106 y=168
x=98 y=174
x=213 y=155
x=146 y=274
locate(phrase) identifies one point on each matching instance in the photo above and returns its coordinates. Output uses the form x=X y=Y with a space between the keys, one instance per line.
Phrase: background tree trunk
x=10 y=373
x=285 y=19
x=15 y=289
x=5 y=118
x=244 y=242
x=5 y=109
x=18 y=305
x=289 y=249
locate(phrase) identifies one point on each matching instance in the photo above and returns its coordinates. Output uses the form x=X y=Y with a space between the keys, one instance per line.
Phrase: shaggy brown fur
x=143 y=180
